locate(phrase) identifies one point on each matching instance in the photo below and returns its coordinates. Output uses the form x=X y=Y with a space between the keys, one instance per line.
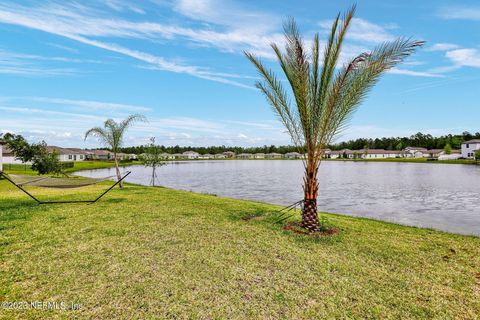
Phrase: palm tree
x=112 y=135
x=324 y=97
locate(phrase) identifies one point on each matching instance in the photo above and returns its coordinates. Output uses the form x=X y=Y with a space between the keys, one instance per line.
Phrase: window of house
x=69 y=157
x=468 y=145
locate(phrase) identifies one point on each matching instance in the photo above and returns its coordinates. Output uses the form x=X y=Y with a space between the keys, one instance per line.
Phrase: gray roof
x=61 y=150
x=472 y=141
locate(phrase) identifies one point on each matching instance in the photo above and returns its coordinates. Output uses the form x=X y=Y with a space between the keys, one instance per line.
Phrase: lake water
x=440 y=196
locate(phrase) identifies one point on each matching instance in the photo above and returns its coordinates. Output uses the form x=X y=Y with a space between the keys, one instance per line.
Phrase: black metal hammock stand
x=62 y=183
x=283 y=212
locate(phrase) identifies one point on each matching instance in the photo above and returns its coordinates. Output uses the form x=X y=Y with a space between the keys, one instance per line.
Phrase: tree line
x=388 y=143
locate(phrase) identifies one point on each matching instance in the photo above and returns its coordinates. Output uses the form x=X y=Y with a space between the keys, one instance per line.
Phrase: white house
x=98 y=155
x=207 y=156
x=191 y=155
x=229 y=154
x=469 y=148
x=220 y=156
x=9 y=158
x=259 y=155
x=166 y=155
x=293 y=155
x=65 y=155
x=338 y=154
x=415 y=152
x=379 y=153
x=273 y=155
x=245 y=156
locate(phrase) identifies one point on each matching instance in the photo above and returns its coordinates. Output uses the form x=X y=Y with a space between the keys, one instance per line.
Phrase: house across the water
x=66 y=155
x=191 y=155
x=273 y=155
x=469 y=148
x=245 y=156
x=293 y=155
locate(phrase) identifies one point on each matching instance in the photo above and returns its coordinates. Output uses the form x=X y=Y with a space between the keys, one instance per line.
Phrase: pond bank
x=144 y=252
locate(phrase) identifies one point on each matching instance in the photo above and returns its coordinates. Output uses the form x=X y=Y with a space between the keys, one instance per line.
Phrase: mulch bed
x=296 y=228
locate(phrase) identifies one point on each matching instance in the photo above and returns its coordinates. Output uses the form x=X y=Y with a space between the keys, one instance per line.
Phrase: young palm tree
x=112 y=135
x=324 y=97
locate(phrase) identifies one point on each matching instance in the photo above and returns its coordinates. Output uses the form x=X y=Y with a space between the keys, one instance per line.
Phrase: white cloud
x=32 y=65
x=442 y=47
x=460 y=13
x=465 y=57
x=119 y=5
x=235 y=16
x=363 y=31
x=415 y=73
x=88 y=104
x=66 y=22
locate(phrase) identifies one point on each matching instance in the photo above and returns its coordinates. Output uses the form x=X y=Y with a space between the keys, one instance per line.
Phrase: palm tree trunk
x=310 y=219
x=117 y=169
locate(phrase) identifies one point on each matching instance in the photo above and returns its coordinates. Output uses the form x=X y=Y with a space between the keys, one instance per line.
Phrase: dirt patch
x=296 y=228
x=477 y=276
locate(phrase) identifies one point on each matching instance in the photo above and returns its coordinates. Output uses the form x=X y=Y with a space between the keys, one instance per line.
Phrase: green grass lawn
x=160 y=253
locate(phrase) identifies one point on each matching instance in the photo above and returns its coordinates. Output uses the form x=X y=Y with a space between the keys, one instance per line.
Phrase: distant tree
x=324 y=94
x=365 y=150
x=153 y=158
x=21 y=149
x=112 y=135
x=448 y=149
x=43 y=162
x=477 y=154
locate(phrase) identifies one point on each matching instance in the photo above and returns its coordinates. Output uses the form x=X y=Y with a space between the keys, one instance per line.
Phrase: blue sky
x=66 y=66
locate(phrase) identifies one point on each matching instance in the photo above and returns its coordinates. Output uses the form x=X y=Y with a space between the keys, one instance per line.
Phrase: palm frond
x=355 y=80
x=277 y=97
x=324 y=98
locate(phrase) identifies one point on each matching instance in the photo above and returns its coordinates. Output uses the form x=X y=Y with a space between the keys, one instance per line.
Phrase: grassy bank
x=77 y=166
x=154 y=252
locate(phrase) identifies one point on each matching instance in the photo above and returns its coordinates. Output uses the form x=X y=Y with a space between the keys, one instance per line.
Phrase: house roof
x=472 y=141
x=98 y=152
x=416 y=148
x=7 y=152
x=434 y=151
x=61 y=150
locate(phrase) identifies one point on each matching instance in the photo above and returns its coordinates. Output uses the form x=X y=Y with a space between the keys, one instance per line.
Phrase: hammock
x=53 y=182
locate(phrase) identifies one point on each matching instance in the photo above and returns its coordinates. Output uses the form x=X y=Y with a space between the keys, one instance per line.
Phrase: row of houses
x=76 y=154
x=230 y=155
x=411 y=152
x=467 y=152
x=68 y=155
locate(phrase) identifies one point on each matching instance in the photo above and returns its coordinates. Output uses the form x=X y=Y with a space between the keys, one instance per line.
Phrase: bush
x=67 y=165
